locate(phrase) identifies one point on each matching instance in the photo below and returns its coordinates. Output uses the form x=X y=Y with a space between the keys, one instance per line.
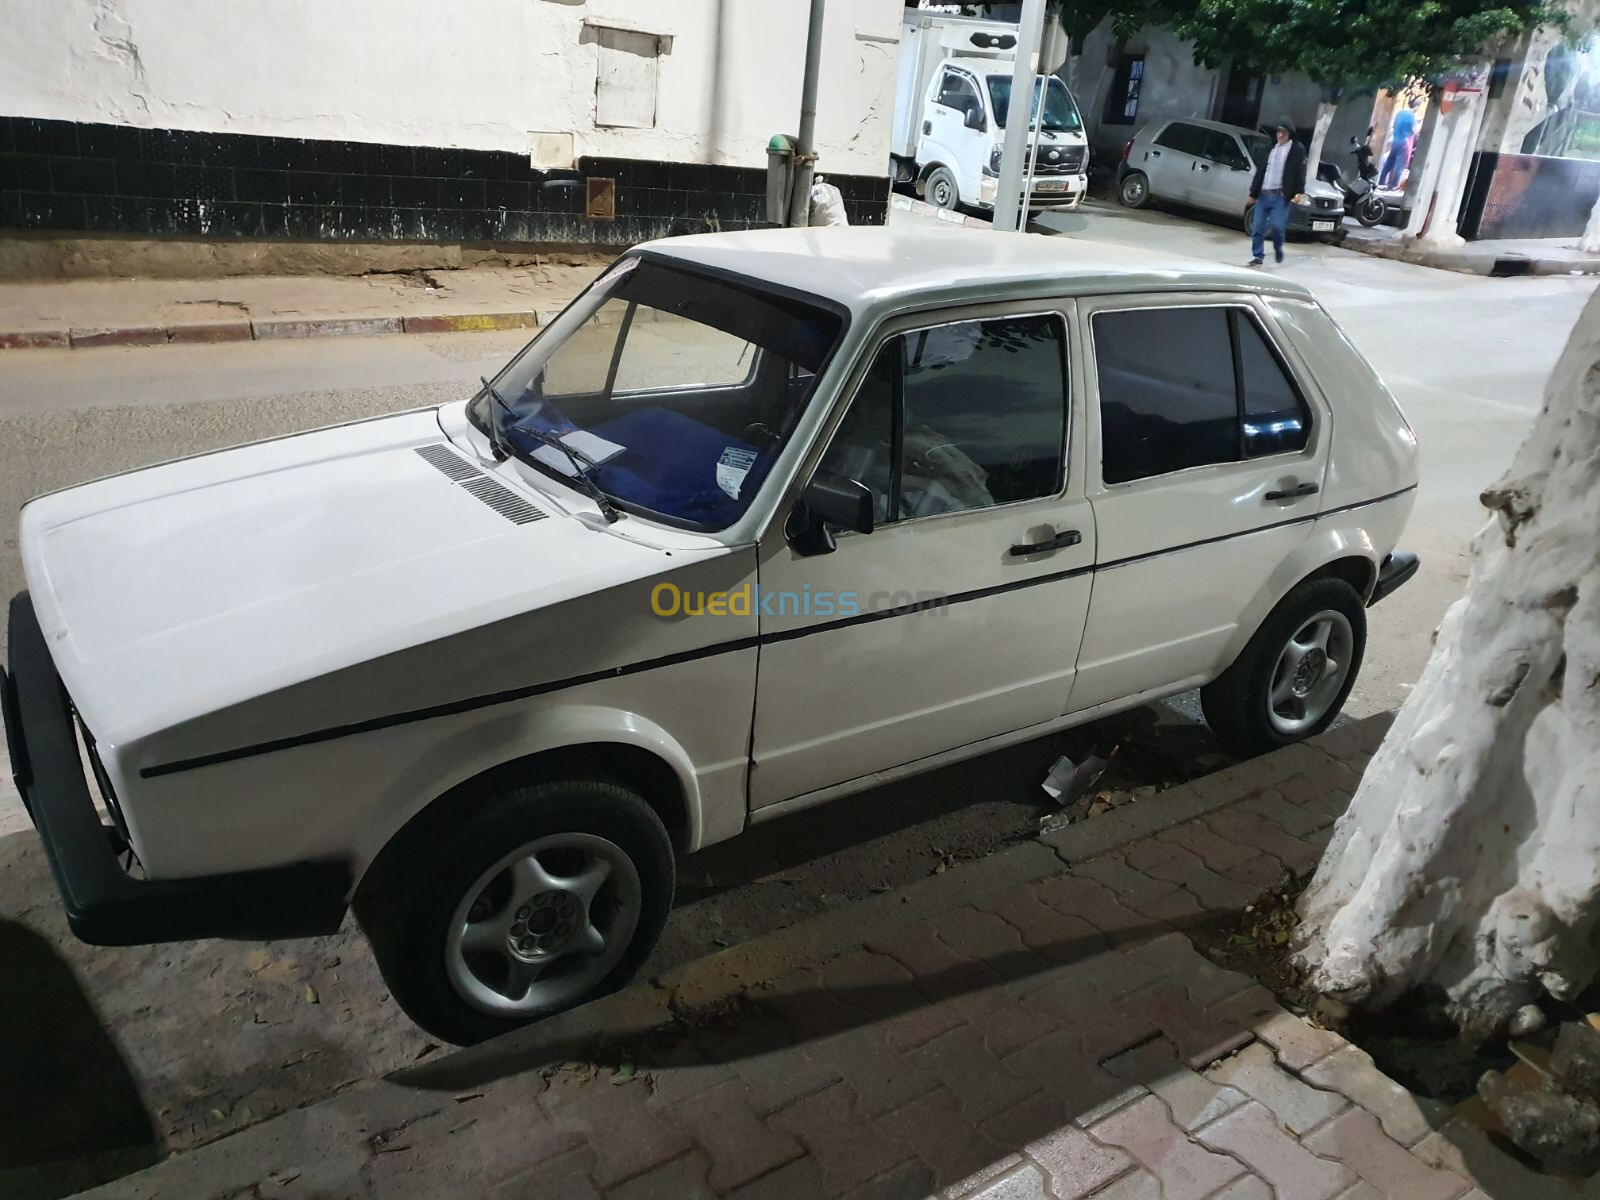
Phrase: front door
x=958 y=618
x=1171 y=161
x=1222 y=175
x=1208 y=462
x=955 y=139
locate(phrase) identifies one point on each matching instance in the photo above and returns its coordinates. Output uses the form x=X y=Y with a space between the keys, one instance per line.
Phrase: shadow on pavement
x=72 y=1116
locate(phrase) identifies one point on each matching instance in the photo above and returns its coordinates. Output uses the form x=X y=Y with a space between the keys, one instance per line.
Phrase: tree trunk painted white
x=1319 y=135
x=1469 y=859
x=1590 y=242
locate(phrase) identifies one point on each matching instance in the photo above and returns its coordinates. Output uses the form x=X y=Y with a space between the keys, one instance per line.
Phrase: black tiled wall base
x=68 y=177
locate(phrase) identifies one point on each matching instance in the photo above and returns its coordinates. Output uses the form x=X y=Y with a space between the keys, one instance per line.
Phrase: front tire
x=941 y=189
x=1250 y=218
x=1293 y=676
x=1134 y=191
x=533 y=902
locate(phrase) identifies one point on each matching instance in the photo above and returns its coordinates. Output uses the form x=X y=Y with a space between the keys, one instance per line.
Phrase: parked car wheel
x=1134 y=191
x=537 y=900
x=1291 y=679
x=1371 y=211
x=1250 y=218
x=941 y=189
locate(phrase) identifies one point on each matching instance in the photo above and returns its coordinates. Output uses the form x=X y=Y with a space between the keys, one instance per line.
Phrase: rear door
x=1170 y=161
x=1206 y=462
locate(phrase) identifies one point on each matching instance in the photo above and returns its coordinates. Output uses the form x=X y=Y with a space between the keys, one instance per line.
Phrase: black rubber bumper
x=106 y=906
x=1395 y=569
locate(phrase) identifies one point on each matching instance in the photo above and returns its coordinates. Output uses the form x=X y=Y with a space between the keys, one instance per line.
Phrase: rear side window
x=1188 y=139
x=960 y=416
x=1189 y=387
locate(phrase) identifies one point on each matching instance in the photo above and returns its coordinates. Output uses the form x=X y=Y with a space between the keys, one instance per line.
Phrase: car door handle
x=1067 y=537
x=1204 y=166
x=1155 y=154
x=1298 y=490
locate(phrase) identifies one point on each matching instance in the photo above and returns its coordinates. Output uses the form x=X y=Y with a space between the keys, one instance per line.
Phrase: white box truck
x=952 y=102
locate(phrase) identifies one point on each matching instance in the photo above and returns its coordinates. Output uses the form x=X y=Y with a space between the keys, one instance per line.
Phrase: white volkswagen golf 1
x=759 y=519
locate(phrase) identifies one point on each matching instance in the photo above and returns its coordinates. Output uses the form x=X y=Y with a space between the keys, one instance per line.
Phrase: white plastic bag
x=827 y=205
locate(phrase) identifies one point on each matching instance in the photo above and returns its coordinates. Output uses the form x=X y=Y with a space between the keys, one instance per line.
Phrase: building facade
x=542 y=122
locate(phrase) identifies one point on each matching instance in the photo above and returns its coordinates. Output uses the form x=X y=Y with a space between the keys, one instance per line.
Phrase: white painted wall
x=480 y=74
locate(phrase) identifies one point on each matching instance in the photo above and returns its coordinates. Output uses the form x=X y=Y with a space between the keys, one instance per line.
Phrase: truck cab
x=953 y=104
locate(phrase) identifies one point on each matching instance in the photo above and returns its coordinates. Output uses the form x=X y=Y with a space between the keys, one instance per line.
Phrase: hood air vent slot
x=483 y=487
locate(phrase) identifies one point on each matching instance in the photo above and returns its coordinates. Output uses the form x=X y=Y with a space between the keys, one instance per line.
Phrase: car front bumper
x=105 y=905
x=1395 y=570
x=1072 y=190
x=1303 y=218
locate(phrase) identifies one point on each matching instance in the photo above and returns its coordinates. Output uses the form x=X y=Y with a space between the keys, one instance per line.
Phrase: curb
x=267 y=329
x=1507 y=265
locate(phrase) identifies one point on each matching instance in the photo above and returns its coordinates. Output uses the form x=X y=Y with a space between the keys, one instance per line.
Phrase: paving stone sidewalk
x=1034 y=1025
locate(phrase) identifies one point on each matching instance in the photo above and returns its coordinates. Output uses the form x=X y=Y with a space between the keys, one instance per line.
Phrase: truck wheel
x=941 y=189
x=535 y=901
x=1292 y=678
x=1134 y=191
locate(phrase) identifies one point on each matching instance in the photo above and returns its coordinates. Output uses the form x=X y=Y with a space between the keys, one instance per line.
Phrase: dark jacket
x=1294 y=173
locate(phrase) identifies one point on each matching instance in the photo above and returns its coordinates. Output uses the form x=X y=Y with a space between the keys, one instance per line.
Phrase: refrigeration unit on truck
x=952 y=100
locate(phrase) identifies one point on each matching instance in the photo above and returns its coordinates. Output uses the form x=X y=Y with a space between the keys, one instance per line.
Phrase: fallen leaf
x=311 y=996
x=624 y=1072
x=465 y=1096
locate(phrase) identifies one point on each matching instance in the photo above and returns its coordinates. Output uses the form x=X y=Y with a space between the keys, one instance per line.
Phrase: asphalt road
x=204 y=1028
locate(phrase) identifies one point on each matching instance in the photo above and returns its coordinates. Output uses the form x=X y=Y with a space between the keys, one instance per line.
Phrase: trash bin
x=780 y=177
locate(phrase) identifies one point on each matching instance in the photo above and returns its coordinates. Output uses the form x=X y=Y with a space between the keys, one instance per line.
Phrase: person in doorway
x=1280 y=179
x=1401 y=136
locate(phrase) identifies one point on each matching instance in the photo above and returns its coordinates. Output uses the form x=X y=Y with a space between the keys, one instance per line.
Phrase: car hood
x=179 y=590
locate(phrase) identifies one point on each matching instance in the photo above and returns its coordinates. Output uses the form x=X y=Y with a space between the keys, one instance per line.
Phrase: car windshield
x=1059 y=110
x=1259 y=145
x=675 y=391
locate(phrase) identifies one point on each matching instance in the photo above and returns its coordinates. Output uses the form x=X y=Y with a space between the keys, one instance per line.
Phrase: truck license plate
x=1050 y=185
x=1322 y=226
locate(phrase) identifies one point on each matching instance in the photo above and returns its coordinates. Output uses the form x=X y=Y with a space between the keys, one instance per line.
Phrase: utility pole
x=805 y=152
x=1008 y=217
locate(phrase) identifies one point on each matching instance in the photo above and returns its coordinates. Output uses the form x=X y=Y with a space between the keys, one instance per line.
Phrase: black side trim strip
x=672 y=660
x=440 y=710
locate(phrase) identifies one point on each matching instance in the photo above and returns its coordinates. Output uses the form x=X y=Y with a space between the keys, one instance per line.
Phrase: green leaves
x=1349 y=44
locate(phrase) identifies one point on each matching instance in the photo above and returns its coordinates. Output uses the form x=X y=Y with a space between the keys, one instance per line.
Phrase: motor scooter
x=1361 y=198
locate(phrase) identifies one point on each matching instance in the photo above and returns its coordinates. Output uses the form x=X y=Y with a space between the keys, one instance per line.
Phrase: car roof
x=1217 y=125
x=875 y=269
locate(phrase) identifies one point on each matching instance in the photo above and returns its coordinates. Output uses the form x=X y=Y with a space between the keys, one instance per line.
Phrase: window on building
x=1190 y=387
x=625 y=79
x=1241 y=98
x=958 y=417
x=1122 y=101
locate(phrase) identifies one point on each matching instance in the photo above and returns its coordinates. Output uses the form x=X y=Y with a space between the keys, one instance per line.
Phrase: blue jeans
x=1271 y=208
x=1394 y=163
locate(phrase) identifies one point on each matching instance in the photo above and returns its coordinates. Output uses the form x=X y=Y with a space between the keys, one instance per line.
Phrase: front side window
x=1190 y=387
x=1223 y=148
x=959 y=92
x=677 y=391
x=1060 y=113
x=960 y=416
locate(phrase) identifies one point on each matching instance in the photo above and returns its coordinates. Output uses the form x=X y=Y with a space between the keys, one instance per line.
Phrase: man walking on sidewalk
x=1280 y=178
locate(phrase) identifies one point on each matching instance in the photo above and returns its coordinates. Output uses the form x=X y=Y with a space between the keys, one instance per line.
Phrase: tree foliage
x=1345 y=45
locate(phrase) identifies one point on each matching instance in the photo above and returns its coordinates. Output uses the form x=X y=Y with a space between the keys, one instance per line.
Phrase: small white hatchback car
x=760 y=520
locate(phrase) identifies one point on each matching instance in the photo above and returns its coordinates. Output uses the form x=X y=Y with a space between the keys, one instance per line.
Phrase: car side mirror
x=829 y=502
x=974 y=118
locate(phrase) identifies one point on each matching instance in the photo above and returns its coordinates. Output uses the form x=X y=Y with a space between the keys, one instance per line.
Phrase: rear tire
x=1134 y=190
x=940 y=188
x=1284 y=687
x=434 y=904
x=1371 y=211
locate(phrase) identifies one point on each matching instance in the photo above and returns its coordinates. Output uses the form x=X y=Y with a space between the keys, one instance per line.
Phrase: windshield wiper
x=581 y=462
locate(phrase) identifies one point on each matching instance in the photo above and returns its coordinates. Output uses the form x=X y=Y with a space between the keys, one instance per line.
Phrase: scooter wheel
x=1371 y=211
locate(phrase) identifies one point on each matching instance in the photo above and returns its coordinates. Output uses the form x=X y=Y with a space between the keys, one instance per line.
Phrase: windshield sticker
x=732 y=467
